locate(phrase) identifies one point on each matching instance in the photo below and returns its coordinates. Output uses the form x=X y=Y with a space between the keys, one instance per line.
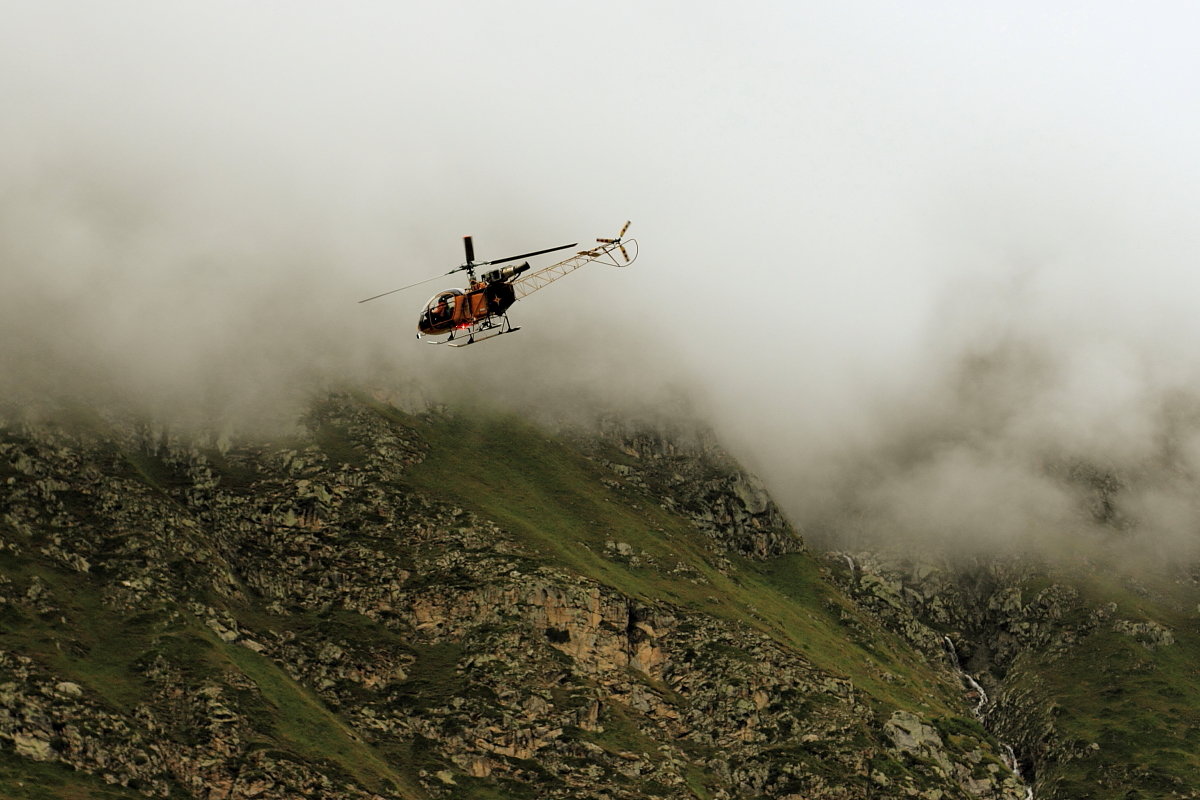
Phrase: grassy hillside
x=546 y=492
x=1123 y=703
x=363 y=610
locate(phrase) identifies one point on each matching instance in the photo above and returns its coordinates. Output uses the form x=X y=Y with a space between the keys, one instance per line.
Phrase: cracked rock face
x=196 y=616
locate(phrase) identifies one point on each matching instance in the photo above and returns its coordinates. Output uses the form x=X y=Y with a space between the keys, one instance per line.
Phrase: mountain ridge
x=388 y=604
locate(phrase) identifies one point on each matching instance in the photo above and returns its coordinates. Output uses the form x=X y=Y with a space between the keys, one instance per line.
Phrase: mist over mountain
x=876 y=475
x=921 y=271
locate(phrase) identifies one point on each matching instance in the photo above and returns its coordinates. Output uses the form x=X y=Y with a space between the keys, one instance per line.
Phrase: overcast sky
x=860 y=222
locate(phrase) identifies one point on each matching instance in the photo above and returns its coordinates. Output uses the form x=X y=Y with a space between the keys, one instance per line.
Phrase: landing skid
x=483 y=334
x=474 y=333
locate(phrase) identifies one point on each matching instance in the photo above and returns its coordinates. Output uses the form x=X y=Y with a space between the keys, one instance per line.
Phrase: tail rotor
x=617 y=241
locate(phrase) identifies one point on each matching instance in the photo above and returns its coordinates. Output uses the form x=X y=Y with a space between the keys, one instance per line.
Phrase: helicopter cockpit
x=439 y=311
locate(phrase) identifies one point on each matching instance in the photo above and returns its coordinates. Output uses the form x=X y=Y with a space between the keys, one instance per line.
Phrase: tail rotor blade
x=624 y=252
x=624 y=228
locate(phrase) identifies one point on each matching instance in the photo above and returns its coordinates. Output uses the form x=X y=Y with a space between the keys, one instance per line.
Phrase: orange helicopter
x=459 y=317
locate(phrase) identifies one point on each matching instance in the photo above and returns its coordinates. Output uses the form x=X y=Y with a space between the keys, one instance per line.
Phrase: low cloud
x=931 y=275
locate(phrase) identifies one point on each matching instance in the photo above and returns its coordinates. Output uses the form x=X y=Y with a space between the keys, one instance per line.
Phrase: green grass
x=433 y=677
x=620 y=733
x=339 y=446
x=551 y=498
x=154 y=471
x=22 y=779
x=233 y=474
x=304 y=725
x=696 y=782
x=81 y=641
x=106 y=652
x=1140 y=706
x=791 y=590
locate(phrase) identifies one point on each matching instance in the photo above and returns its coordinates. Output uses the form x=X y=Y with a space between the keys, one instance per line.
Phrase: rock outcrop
x=375 y=608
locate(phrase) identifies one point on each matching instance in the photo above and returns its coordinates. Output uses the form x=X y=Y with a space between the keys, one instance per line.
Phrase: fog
x=929 y=269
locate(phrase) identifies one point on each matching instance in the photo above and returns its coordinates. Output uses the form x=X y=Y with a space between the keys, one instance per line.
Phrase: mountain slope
x=444 y=605
x=1089 y=668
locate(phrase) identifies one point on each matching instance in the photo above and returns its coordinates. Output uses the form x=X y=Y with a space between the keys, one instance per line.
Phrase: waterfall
x=983 y=698
x=982 y=702
x=1010 y=756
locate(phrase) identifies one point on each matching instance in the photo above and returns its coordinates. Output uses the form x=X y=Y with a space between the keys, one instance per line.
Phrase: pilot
x=440 y=312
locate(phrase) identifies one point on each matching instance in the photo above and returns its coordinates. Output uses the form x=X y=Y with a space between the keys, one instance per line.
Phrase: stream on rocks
x=980 y=711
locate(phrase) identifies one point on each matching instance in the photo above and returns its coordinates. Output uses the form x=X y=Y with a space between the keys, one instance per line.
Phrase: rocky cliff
x=387 y=605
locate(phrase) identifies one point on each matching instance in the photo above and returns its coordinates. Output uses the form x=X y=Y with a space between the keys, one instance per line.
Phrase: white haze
x=924 y=265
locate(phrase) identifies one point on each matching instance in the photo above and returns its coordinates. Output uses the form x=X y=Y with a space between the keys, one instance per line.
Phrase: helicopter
x=460 y=317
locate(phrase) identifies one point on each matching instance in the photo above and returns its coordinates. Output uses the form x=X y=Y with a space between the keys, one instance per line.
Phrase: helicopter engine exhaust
x=504 y=273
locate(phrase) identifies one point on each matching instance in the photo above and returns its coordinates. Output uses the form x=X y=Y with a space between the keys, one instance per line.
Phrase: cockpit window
x=441 y=307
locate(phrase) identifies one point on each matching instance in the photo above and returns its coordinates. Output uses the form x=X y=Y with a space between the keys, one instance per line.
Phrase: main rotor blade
x=402 y=288
x=470 y=248
x=527 y=255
